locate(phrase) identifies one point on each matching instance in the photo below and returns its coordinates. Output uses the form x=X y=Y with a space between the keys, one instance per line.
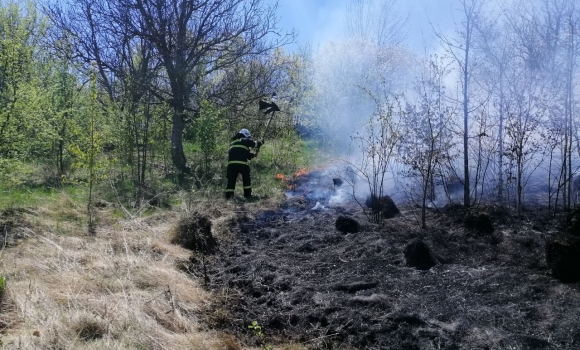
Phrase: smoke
x=354 y=77
x=349 y=77
x=351 y=80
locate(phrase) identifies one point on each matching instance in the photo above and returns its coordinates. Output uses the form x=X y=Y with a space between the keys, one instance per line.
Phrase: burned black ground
x=304 y=281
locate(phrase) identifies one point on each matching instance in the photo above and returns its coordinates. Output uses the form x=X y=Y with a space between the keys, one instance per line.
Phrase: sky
x=318 y=21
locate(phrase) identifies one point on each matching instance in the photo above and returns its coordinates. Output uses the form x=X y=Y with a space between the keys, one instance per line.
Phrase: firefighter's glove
x=251 y=155
x=260 y=143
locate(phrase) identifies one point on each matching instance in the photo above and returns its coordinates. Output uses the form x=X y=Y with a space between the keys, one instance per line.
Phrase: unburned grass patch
x=116 y=290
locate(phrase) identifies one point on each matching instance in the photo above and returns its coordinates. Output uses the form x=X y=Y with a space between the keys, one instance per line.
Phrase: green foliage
x=209 y=138
x=13 y=173
x=2 y=286
x=61 y=116
x=257 y=329
x=20 y=31
x=208 y=127
x=285 y=153
x=36 y=92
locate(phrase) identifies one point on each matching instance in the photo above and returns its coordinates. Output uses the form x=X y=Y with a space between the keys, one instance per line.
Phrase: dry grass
x=118 y=290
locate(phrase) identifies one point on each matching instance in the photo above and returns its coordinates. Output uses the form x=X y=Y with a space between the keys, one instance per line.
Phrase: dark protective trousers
x=232 y=175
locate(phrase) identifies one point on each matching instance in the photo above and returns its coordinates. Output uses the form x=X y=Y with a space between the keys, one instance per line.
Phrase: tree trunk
x=60 y=156
x=519 y=187
x=177 y=155
x=570 y=91
x=500 y=161
x=465 y=133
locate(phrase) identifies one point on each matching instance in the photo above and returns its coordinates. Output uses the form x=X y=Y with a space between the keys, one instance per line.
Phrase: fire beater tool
x=269 y=107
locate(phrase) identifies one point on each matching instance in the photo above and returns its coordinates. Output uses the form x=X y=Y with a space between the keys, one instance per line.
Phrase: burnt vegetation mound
x=194 y=232
x=563 y=257
x=346 y=224
x=563 y=249
x=572 y=225
x=383 y=205
x=419 y=255
x=479 y=222
x=304 y=281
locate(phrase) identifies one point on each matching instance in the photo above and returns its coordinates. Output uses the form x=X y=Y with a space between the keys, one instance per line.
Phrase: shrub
x=2 y=287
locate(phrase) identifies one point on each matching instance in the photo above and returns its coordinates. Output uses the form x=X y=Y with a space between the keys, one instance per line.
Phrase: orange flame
x=302 y=171
x=280 y=177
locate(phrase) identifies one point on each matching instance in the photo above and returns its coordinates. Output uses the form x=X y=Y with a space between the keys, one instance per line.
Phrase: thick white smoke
x=351 y=79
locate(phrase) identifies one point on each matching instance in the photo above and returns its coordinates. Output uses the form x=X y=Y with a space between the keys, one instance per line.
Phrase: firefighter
x=238 y=162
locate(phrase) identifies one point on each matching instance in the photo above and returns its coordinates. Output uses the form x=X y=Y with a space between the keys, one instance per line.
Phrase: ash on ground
x=300 y=278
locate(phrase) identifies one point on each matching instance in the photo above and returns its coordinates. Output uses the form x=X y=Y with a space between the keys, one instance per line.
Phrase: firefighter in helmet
x=238 y=162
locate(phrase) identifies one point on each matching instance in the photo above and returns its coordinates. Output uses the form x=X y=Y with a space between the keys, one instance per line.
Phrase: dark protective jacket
x=240 y=150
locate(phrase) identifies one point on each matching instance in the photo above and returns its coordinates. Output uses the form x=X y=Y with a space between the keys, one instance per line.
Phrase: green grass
x=283 y=155
x=22 y=196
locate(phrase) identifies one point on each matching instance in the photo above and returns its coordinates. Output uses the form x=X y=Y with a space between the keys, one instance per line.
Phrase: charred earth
x=294 y=273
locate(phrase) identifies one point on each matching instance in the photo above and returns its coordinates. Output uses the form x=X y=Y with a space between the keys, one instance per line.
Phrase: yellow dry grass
x=117 y=290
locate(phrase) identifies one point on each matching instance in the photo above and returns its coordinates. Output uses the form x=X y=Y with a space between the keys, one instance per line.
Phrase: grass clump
x=88 y=329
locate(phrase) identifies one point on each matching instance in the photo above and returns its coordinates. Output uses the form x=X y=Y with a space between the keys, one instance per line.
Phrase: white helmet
x=245 y=132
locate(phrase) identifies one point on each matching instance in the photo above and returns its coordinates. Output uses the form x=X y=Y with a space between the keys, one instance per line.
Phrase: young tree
x=63 y=95
x=497 y=46
x=426 y=126
x=20 y=32
x=524 y=118
x=547 y=35
x=377 y=145
x=461 y=50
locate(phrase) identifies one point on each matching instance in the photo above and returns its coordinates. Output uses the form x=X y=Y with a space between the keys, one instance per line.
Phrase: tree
x=524 y=117
x=426 y=124
x=192 y=40
x=20 y=32
x=547 y=35
x=376 y=21
x=461 y=50
x=497 y=46
x=377 y=145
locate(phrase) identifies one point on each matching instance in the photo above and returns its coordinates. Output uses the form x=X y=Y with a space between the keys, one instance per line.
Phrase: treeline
x=135 y=92
x=493 y=116
x=516 y=65
x=138 y=91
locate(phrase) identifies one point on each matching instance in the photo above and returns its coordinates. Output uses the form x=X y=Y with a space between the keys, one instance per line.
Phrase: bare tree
x=377 y=145
x=547 y=43
x=497 y=46
x=461 y=50
x=379 y=21
x=524 y=117
x=426 y=124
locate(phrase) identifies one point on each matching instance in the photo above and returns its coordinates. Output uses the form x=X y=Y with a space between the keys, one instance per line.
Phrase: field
x=280 y=263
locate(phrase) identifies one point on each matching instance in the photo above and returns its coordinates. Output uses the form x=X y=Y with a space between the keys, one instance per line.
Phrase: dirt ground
x=302 y=280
